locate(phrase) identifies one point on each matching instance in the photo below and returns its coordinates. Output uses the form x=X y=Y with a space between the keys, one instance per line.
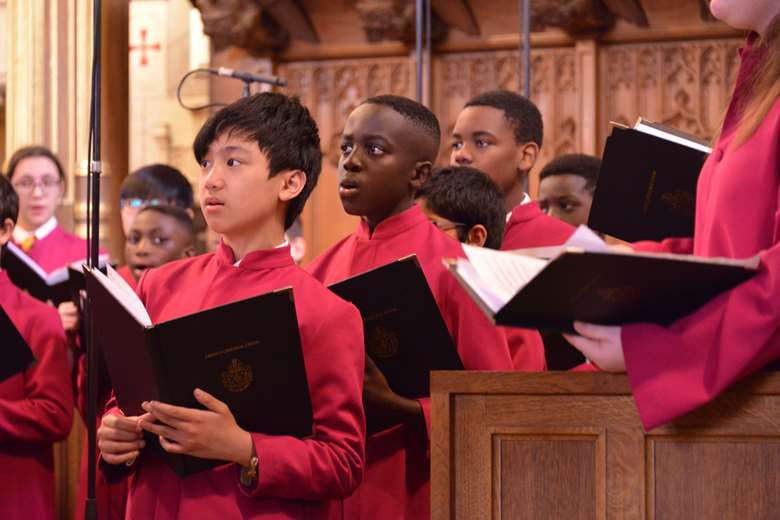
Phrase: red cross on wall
x=143 y=47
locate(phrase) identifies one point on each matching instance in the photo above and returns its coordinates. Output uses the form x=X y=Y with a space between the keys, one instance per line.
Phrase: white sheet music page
x=122 y=292
x=503 y=273
x=583 y=238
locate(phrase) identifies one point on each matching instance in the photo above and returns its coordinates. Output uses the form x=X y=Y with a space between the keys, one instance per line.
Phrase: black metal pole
x=525 y=46
x=94 y=171
x=418 y=44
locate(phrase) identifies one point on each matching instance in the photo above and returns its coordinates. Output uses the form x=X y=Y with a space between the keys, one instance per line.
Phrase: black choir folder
x=647 y=183
x=17 y=355
x=59 y=286
x=586 y=280
x=405 y=334
x=246 y=354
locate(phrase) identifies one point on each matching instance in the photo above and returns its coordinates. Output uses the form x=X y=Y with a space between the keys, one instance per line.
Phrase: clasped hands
x=209 y=434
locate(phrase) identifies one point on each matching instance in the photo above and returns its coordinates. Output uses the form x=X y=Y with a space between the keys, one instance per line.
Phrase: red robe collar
x=393 y=226
x=256 y=260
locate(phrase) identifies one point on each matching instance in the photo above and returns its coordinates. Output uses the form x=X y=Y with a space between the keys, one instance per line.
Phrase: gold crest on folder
x=237 y=377
x=383 y=343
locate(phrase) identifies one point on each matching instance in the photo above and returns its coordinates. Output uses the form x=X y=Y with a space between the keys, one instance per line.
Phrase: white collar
x=526 y=200
x=283 y=244
x=20 y=235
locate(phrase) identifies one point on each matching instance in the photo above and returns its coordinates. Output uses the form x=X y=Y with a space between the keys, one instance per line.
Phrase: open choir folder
x=647 y=183
x=405 y=334
x=59 y=286
x=246 y=354
x=17 y=355
x=586 y=280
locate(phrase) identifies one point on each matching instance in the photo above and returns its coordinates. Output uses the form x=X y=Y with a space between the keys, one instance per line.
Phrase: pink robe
x=678 y=368
x=297 y=478
x=397 y=480
x=58 y=249
x=36 y=409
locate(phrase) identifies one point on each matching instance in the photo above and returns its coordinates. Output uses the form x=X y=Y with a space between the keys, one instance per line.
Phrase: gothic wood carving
x=394 y=20
x=257 y=26
x=684 y=84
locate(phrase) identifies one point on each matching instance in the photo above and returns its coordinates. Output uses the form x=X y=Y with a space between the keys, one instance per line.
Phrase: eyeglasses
x=446 y=226
x=28 y=184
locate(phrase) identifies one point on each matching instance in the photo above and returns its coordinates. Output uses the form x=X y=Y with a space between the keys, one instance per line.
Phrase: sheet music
x=502 y=274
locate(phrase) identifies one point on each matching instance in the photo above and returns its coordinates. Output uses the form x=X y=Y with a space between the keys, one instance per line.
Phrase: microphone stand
x=93 y=234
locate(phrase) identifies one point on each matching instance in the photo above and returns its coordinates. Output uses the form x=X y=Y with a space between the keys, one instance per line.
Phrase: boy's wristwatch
x=248 y=475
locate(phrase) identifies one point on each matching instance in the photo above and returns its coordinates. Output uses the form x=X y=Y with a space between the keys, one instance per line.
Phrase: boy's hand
x=208 y=434
x=69 y=315
x=120 y=438
x=600 y=344
x=382 y=401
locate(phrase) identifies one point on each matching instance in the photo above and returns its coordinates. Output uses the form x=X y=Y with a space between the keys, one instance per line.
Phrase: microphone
x=248 y=77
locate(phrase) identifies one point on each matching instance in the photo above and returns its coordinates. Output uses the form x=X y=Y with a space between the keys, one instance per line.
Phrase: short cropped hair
x=467 y=196
x=180 y=215
x=580 y=164
x=33 y=151
x=9 y=201
x=414 y=112
x=158 y=182
x=283 y=129
x=520 y=112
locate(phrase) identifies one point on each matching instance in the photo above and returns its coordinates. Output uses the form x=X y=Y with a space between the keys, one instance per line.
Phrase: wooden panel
x=513 y=445
x=545 y=478
x=715 y=478
x=555 y=76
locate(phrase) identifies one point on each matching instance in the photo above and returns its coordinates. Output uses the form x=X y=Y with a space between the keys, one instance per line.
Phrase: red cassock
x=297 y=478
x=36 y=409
x=529 y=226
x=397 y=480
x=57 y=249
x=676 y=369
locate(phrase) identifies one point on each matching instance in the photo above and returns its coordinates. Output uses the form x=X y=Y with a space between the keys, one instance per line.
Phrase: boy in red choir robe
x=36 y=406
x=500 y=133
x=260 y=158
x=388 y=146
x=677 y=368
x=157 y=235
x=464 y=203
